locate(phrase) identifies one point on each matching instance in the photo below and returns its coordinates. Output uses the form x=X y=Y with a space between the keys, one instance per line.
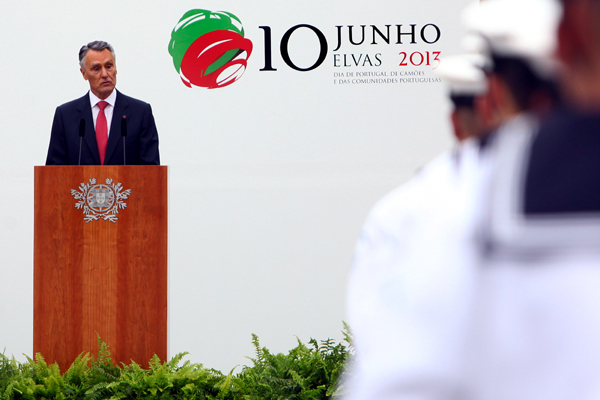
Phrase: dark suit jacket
x=141 y=141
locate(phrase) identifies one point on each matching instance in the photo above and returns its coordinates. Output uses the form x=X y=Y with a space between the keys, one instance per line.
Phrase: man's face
x=101 y=72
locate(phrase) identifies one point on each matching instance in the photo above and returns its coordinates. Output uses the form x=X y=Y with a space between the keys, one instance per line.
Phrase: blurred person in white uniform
x=389 y=301
x=467 y=87
x=426 y=323
x=538 y=314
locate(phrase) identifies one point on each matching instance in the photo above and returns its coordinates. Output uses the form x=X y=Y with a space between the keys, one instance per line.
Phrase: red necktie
x=101 y=131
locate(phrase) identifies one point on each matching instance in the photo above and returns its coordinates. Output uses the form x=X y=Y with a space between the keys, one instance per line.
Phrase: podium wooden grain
x=100 y=277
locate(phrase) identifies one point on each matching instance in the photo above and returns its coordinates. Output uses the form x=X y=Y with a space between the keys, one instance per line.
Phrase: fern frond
x=172 y=365
x=155 y=362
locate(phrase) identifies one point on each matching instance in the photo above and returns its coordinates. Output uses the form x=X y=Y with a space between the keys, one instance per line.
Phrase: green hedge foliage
x=313 y=370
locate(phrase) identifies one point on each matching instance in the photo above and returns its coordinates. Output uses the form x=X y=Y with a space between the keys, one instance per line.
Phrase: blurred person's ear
x=501 y=99
x=485 y=108
x=577 y=33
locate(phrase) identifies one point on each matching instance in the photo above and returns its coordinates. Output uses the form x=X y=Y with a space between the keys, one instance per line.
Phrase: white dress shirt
x=108 y=111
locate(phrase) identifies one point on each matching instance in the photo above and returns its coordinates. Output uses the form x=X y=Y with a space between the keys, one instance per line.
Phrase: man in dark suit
x=101 y=116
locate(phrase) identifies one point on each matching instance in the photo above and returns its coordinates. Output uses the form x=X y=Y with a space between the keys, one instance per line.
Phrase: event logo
x=209 y=49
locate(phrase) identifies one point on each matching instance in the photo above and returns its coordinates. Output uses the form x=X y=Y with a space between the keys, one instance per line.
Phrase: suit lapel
x=115 y=126
x=85 y=112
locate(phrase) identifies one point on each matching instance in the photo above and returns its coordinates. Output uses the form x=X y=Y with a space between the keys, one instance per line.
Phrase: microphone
x=124 y=134
x=81 y=135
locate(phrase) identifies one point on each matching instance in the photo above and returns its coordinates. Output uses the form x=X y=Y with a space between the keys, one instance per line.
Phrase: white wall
x=270 y=178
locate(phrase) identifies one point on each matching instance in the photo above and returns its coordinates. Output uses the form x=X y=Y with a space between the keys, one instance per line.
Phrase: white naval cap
x=524 y=29
x=463 y=74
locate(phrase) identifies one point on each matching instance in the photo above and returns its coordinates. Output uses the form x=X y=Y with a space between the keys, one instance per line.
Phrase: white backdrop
x=270 y=178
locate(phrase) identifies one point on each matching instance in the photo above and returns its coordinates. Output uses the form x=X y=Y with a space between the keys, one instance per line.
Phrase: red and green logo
x=209 y=49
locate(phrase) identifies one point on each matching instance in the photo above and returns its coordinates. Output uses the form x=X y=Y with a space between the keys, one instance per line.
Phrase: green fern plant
x=308 y=372
x=10 y=369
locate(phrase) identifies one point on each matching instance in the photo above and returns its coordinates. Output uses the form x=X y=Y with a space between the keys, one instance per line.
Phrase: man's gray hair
x=97 y=45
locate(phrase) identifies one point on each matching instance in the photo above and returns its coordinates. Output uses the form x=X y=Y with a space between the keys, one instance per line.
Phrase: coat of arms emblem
x=100 y=200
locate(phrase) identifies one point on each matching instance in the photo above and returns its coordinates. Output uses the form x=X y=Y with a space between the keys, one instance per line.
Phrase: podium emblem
x=100 y=201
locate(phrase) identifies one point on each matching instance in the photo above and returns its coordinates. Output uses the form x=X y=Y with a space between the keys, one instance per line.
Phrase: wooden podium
x=100 y=262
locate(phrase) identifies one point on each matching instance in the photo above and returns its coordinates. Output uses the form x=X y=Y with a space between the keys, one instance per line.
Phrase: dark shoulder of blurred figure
x=563 y=173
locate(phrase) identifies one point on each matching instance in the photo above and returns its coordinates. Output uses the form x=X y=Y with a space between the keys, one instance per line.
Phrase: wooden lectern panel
x=100 y=277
